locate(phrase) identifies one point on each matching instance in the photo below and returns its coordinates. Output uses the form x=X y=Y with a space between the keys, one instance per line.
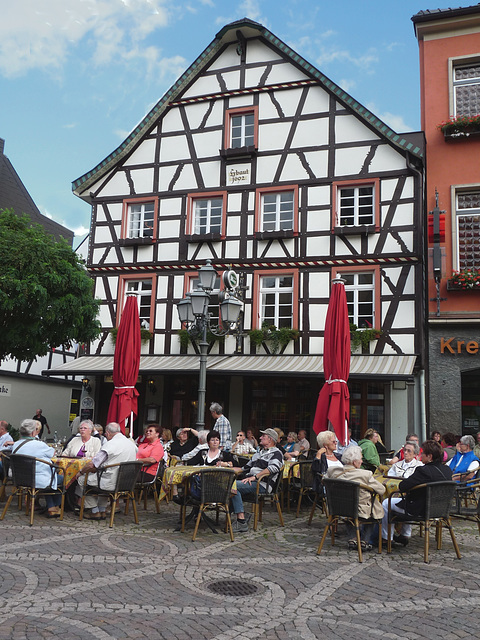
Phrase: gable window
x=277 y=300
x=143 y=290
x=241 y=130
x=468 y=229
x=360 y=292
x=139 y=220
x=466 y=89
x=206 y=214
x=355 y=204
x=276 y=211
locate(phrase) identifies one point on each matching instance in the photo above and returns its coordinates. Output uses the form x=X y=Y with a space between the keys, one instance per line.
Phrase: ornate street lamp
x=193 y=313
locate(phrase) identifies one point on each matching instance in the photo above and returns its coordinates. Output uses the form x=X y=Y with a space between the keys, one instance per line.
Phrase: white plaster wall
x=399 y=417
x=288 y=101
x=159 y=343
x=142 y=180
x=315 y=346
x=266 y=108
x=186 y=180
x=232 y=249
x=204 y=252
x=170 y=206
x=234 y=202
x=405 y=316
x=403 y=215
x=258 y=52
x=318 y=247
x=103 y=234
x=349 y=129
x=293 y=169
x=114 y=209
x=387 y=159
x=197 y=111
x=318 y=220
x=169 y=229
x=253 y=76
x=204 y=85
x=211 y=174
x=317 y=315
x=285 y=72
x=207 y=143
x=350 y=161
x=273 y=136
x=116 y=186
x=317 y=101
x=233 y=227
x=171 y=121
x=266 y=168
x=392 y=246
x=96 y=185
x=310 y=133
x=319 y=285
x=229 y=58
x=169 y=251
x=318 y=162
x=341 y=248
x=236 y=102
x=144 y=154
x=318 y=196
x=232 y=80
x=178 y=286
x=174 y=148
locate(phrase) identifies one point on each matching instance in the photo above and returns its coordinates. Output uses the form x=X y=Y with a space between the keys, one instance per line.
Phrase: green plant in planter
x=460 y=124
x=277 y=338
x=145 y=335
x=362 y=337
x=185 y=338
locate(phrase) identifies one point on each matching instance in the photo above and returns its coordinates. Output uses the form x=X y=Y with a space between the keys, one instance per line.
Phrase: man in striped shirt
x=263 y=468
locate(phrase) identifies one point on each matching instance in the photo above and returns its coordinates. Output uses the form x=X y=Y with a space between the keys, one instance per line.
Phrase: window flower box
x=460 y=127
x=465 y=280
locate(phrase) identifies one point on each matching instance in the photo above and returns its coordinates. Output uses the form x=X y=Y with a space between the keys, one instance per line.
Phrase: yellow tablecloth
x=70 y=467
x=177 y=475
x=391 y=485
x=287 y=465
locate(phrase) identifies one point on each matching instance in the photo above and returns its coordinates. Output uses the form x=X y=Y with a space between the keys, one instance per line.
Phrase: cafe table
x=390 y=484
x=178 y=475
x=70 y=467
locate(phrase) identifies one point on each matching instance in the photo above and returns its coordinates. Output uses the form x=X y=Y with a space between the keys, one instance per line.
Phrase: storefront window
x=470 y=403
x=367 y=407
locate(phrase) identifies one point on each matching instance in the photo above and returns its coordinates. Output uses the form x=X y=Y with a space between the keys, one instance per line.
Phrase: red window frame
x=125 y=205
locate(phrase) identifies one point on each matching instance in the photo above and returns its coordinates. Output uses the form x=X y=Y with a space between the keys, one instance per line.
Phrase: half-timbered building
x=256 y=161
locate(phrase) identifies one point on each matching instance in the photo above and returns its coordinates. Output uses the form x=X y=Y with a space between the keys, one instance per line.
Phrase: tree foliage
x=46 y=295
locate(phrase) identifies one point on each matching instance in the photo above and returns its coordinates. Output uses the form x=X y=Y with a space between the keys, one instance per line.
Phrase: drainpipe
x=423 y=412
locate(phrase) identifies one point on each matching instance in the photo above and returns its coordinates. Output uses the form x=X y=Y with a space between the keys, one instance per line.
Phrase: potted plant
x=362 y=337
x=464 y=280
x=277 y=338
x=460 y=126
x=145 y=335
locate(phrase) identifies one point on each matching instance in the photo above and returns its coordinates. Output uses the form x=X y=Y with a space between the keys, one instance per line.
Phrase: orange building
x=449 y=45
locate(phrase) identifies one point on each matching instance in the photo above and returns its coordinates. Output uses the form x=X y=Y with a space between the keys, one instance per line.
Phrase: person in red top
x=411 y=437
x=150 y=452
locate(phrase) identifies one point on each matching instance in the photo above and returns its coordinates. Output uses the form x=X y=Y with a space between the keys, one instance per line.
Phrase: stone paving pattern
x=81 y=580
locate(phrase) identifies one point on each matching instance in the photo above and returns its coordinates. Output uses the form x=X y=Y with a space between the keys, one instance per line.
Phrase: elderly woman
x=250 y=437
x=371 y=459
x=83 y=445
x=404 y=468
x=464 y=462
x=151 y=452
x=292 y=439
x=352 y=460
x=29 y=445
x=326 y=456
x=213 y=456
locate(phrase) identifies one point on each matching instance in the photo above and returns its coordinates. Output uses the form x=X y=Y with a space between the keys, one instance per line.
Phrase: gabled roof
x=437 y=14
x=14 y=195
x=405 y=142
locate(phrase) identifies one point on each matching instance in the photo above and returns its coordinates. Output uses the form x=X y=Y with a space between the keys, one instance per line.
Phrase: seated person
x=476 y=448
x=300 y=448
x=264 y=467
x=29 y=445
x=340 y=448
x=292 y=440
x=250 y=437
x=213 y=456
x=183 y=444
x=6 y=442
x=83 y=445
x=464 y=462
x=399 y=454
x=201 y=446
x=326 y=456
x=404 y=468
x=449 y=444
x=350 y=470
x=371 y=459
x=167 y=441
x=432 y=470
x=241 y=446
x=151 y=452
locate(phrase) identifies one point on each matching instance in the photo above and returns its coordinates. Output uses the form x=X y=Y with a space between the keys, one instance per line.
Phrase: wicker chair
x=467 y=502
x=23 y=477
x=318 y=496
x=215 y=492
x=258 y=499
x=386 y=456
x=124 y=487
x=439 y=498
x=5 y=458
x=144 y=487
x=342 y=498
x=303 y=484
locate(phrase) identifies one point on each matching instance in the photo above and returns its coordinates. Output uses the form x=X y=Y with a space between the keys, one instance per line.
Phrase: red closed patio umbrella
x=126 y=362
x=333 y=405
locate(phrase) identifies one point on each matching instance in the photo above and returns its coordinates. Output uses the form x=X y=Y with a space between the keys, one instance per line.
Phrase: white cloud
x=41 y=35
x=364 y=62
x=393 y=120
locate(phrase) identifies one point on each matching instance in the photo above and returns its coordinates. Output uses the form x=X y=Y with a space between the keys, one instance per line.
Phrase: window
x=468 y=229
x=360 y=292
x=277 y=210
x=139 y=220
x=355 y=206
x=241 y=128
x=206 y=213
x=466 y=89
x=276 y=293
x=143 y=290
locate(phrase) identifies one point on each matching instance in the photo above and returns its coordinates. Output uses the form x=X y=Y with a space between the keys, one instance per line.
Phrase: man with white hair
x=222 y=425
x=202 y=444
x=117 y=448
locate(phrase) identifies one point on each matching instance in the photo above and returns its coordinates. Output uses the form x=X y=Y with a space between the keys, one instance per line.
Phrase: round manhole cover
x=233 y=587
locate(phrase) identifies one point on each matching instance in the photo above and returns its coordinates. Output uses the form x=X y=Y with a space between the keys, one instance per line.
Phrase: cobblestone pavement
x=79 y=580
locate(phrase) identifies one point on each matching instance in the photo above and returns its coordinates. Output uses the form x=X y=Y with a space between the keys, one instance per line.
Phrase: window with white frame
x=276 y=300
x=468 y=229
x=466 y=89
x=356 y=205
x=141 y=218
x=142 y=289
x=278 y=211
x=242 y=128
x=207 y=215
x=360 y=292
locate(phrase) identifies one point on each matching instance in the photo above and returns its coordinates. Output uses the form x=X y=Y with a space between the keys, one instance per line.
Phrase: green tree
x=46 y=295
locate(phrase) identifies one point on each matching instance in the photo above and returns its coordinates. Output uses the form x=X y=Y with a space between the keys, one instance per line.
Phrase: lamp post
x=193 y=313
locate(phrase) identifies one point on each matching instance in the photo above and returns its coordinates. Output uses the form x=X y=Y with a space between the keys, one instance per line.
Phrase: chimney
x=2 y=145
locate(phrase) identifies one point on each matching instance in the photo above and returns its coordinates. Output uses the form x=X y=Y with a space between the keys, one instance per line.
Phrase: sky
x=76 y=76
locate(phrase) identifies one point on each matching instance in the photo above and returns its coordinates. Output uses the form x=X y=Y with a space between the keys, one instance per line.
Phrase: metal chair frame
x=467 y=502
x=258 y=499
x=439 y=498
x=342 y=497
x=318 y=496
x=153 y=485
x=125 y=482
x=23 y=477
x=304 y=484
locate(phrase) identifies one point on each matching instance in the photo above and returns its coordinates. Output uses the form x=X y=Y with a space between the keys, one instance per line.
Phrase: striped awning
x=290 y=365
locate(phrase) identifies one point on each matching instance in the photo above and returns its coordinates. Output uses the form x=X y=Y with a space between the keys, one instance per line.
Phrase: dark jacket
x=179 y=450
x=431 y=472
x=198 y=460
x=319 y=468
